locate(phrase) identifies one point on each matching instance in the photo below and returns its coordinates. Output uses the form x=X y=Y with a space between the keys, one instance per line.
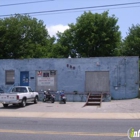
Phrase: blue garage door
x=24 y=78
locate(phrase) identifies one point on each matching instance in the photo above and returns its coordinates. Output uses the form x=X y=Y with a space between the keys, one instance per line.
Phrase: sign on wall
x=39 y=73
x=45 y=81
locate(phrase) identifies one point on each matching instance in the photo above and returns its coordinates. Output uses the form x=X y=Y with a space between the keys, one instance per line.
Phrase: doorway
x=24 y=78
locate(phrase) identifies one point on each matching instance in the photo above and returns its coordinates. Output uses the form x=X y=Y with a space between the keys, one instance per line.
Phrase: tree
x=22 y=36
x=58 y=51
x=92 y=35
x=131 y=44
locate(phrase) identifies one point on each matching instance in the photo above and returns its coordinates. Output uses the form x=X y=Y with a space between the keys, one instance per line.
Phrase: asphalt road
x=65 y=129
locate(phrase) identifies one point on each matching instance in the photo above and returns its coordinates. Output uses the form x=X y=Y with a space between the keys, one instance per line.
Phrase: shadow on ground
x=16 y=106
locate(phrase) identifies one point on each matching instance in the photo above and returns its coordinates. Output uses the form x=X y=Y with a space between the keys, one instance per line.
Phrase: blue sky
x=127 y=15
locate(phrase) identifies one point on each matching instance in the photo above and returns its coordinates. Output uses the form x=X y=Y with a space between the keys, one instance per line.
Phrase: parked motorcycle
x=63 y=98
x=48 y=97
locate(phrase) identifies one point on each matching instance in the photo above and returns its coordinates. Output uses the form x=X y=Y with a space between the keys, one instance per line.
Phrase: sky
x=58 y=21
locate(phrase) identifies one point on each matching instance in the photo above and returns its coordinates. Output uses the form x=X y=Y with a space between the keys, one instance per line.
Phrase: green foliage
x=58 y=51
x=131 y=44
x=92 y=35
x=23 y=37
x=119 y=49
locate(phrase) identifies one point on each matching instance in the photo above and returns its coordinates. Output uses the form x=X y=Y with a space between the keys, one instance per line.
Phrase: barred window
x=9 y=77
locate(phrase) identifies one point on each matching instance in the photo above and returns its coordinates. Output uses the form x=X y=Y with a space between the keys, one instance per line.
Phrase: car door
x=31 y=93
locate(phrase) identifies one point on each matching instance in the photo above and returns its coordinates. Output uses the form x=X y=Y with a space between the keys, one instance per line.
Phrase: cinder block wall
x=123 y=73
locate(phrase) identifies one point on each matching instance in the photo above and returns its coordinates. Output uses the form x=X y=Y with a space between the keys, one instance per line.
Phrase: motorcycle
x=63 y=98
x=48 y=97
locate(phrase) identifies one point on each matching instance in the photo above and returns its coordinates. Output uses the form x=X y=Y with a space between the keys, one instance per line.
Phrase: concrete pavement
x=67 y=115
x=116 y=109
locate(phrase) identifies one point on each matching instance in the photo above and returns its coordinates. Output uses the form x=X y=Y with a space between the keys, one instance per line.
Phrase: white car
x=19 y=95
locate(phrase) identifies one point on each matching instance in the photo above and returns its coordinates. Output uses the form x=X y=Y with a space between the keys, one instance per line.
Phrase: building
x=118 y=76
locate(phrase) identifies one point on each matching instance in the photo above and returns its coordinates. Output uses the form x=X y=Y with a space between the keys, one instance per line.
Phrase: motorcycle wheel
x=53 y=100
x=64 y=101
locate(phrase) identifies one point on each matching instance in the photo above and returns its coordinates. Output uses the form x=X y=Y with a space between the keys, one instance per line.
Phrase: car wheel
x=23 y=104
x=36 y=100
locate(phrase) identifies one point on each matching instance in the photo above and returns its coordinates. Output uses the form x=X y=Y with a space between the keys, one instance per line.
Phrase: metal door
x=24 y=78
x=97 y=81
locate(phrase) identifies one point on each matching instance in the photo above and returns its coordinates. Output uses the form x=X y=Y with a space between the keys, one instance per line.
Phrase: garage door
x=97 y=81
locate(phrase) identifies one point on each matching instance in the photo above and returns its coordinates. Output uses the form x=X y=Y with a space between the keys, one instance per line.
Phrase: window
x=19 y=89
x=30 y=90
x=22 y=90
x=46 y=74
x=9 y=77
x=14 y=90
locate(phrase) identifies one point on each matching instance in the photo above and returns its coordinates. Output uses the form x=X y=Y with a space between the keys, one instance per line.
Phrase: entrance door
x=24 y=78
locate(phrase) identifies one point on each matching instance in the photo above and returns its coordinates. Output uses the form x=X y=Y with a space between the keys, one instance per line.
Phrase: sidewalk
x=119 y=109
